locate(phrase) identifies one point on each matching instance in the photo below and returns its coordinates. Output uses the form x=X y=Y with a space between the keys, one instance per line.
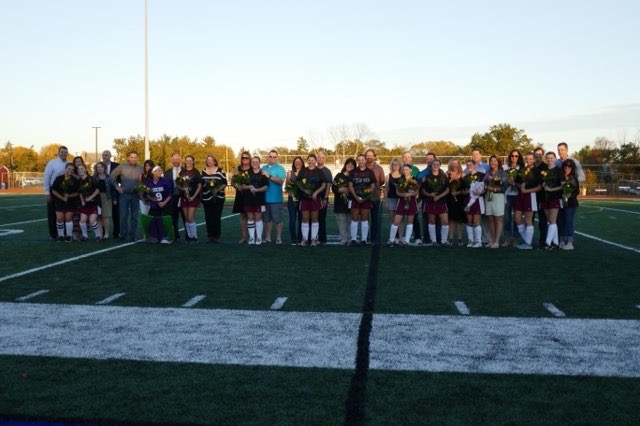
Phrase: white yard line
x=554 y=310
x=23 y=223
x=110 y=299
x=278 y=303
x=194 y=300
x=550 y=346
x=462 y=308
x=32 y=295
x=73 y=259
x=582 y=234
x=618 y=210
x=21 y=207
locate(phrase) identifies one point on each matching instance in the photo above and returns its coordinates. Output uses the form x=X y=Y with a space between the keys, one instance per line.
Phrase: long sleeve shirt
x=52 y=170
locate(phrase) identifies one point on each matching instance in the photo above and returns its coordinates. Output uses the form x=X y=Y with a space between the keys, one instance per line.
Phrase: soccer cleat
x=418 y=242
x=303 y=243
x=314 y=243
x=83 y=239
x=390 y=243
x=67 y=239
x=354 y=243
x=60 y=239
x=446 y=244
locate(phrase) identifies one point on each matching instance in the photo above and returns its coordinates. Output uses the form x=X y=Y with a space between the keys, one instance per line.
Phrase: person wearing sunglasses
x=515 y=163
x=238 y=207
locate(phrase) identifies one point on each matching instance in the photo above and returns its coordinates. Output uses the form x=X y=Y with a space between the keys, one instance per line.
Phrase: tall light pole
x=147 y=153
x=97 y=127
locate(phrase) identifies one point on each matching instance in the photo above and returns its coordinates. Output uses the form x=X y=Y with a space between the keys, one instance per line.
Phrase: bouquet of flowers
x=365 y=194
x=305 y=186
x=407 y=185
x=292 y=189
x=86 y=187
x=216 y=185
x=475 y=191
x=454 y=186
x=144 y=192
x=240 y=179
x=547 y=180
x=495 y=182
x=433 y=184
x=513 y=174
x=341 y=182
x=567 y=189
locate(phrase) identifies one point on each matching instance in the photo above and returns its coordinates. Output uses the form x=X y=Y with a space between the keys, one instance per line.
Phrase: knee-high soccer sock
x=305 y=230
x=354 y=230
x=432 y=232
x=60 y=228
x=69 y=228
x=315 y=227
x=83 y=229
x=408 y=232
x=528 y=234
x=393 y=230
x=477 y=234
x=364 y=229
x=97 y=230
x=470 y=234
x=194 y=231
x=444 y=233
x=251 y=229
x=552 y=234
x=259 y=229
x=522 y=230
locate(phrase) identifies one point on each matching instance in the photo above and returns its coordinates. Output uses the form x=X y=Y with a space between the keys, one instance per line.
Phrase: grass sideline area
x=597 y=281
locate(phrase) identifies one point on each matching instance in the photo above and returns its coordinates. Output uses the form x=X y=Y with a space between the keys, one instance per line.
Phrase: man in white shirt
x=563 y=153
x=52 y=170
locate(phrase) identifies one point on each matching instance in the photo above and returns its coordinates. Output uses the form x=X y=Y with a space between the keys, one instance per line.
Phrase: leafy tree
x=19 y=158
x=440 y=148
x=499 y=140
x=47 y=153
x=604 y=151
x=302 y=146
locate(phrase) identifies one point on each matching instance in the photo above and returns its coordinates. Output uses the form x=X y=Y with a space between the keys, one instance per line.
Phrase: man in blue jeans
x=129 y=174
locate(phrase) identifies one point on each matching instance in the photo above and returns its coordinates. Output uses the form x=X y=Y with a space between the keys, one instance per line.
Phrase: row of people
x=439 y=196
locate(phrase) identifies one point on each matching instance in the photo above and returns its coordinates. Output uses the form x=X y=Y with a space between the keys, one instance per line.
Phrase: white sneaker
x=568 y=246
x=251 y=241
x=561 y=245
x=470 y=244
x=417 y=241
x=477 y=245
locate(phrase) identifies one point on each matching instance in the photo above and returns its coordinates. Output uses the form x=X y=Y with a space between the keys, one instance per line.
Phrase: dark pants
x=176 y=212
x=115 y=218
x=294 y=224
x=416 y=227
x=213 y=217
x=51 y=220
x=322 y=222
x=156 y=227
x=542 y=227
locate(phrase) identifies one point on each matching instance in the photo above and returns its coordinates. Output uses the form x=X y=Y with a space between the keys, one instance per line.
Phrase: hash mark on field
x=462 y=308
x=279 y=302
x=32 y=295
x=554 y=310
x=193 y=301
x=110 y=299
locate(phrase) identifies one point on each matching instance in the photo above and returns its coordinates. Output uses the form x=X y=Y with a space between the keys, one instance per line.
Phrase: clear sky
x=260 y=74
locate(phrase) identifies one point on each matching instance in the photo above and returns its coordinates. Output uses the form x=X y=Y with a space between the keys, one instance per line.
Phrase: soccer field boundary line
x=82 y=256
x=22 y=223
x=593 y=237
x=21 y=207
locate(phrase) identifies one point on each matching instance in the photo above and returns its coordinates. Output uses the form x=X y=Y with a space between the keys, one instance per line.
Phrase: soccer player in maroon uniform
x=89 y=194
x=406 y=190
x=362 y=183
x=253 y=201
x=312 y=188
x=527 y=202
x=435 y=189
x=190 y=187
x=552 y=186
x=474 y=229
x=64 y=191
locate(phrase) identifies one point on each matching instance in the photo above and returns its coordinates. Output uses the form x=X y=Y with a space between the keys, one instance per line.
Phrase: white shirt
x=52 y=170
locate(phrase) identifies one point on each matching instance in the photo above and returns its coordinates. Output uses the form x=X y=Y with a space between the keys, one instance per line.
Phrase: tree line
x=347 y=141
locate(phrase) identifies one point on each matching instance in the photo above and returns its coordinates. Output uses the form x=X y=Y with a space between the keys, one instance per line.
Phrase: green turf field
x=231 y=358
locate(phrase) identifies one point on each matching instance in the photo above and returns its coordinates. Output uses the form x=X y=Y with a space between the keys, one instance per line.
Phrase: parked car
x=31 y=181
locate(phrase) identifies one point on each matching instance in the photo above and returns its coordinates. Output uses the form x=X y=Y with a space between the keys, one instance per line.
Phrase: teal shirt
x=274 y=191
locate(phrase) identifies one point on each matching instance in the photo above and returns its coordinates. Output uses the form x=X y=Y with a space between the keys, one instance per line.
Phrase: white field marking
x=612 y=217
x=110 y=299
x=191 y=302
x=278 y=303
x=22 y=223
x=32 y=295
x=462 y=308
x=619 y=210
x=554 y=310
x=607 y=242
x=73 y=259
x=5 y=232
x=22 y=207
x=452 y=343
x=638 y=306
